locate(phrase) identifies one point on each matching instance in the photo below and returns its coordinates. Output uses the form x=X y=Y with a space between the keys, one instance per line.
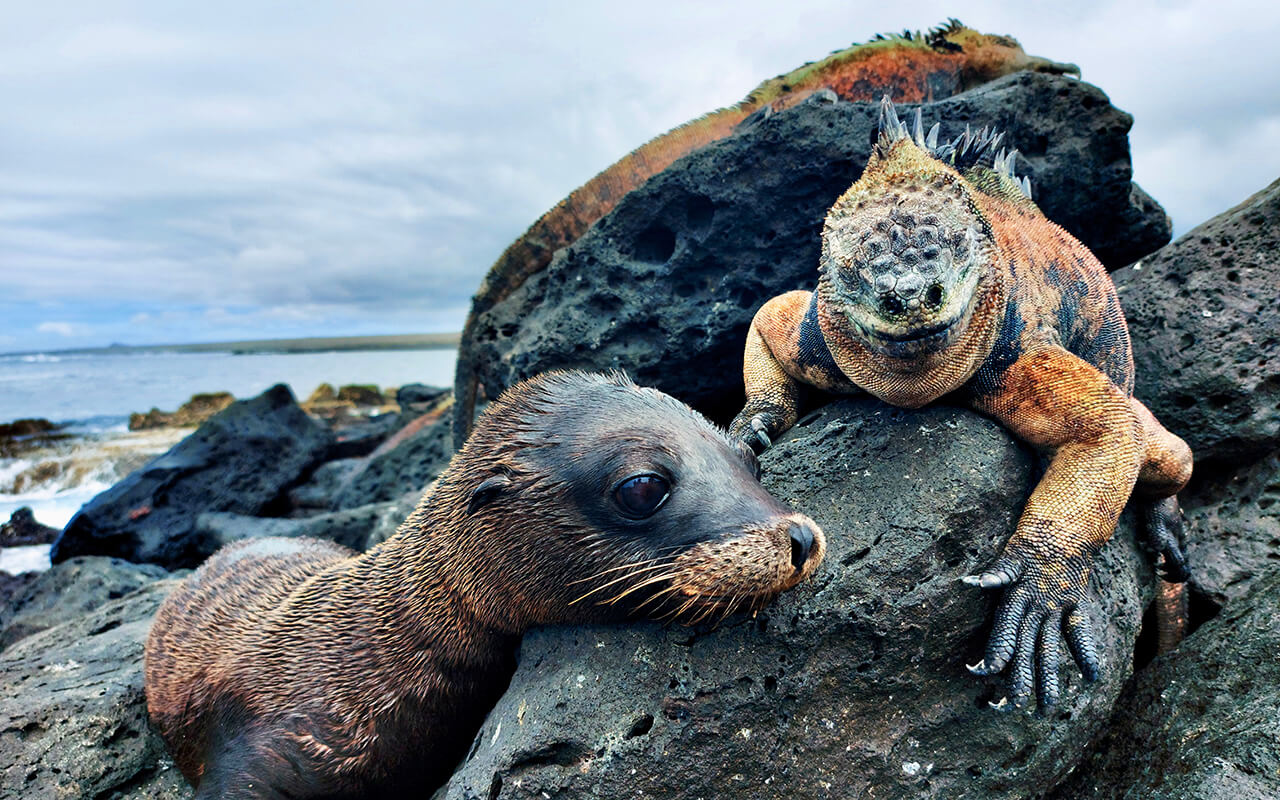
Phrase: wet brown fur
x=1043 y=348
x=909 y=68
x=299 y=668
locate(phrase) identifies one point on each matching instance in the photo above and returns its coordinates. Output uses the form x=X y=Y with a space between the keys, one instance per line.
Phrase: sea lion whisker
x=634 y=573
x=663 y=553
x=603 y=572
x=650 y=580
x=661 y=593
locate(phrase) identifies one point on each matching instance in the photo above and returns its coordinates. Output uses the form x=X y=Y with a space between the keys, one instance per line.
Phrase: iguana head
x=905 y=251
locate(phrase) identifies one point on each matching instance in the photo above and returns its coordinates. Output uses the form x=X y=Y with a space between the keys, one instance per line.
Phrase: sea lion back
x=195 y=631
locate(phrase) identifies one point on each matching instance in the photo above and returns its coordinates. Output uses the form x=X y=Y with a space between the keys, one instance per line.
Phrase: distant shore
x=314 y=344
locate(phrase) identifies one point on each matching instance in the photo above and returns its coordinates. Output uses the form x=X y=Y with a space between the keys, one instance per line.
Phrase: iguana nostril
x=933 y=298
x=891 y=304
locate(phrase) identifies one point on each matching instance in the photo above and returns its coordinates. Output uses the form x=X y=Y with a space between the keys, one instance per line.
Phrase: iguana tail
x=1171 y=615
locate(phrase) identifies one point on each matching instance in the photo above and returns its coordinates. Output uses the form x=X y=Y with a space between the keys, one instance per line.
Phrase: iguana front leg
x=784 y=348
x=1054 y=400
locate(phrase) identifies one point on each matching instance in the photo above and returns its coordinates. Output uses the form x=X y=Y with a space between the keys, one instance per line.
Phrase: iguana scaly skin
x=909 y=68
x=939 y=276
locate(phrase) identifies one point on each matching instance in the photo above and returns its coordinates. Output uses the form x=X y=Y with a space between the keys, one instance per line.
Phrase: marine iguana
x=909 y=67
x=940 y=276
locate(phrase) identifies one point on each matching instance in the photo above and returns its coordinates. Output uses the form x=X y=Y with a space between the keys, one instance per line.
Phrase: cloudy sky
x=175 y=172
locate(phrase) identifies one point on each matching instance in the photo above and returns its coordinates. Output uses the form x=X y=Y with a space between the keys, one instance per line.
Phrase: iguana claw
x=760 y=426
x=1164 y=537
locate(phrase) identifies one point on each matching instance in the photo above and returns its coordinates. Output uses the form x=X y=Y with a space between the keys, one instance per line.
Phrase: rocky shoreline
x=851 y=685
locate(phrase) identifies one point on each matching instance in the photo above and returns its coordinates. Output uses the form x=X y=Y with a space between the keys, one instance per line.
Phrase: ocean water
x=94 y=394
x=91 y=389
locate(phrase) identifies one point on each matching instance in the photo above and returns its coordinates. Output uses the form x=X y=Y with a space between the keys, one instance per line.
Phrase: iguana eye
x=641 y=495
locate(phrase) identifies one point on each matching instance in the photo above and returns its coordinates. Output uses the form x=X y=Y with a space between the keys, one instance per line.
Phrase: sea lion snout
x=802 y=539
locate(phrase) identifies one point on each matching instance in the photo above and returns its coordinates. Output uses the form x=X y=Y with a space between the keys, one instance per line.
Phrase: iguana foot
x=1040 y=608
x=756 y=430
x=1164 y=538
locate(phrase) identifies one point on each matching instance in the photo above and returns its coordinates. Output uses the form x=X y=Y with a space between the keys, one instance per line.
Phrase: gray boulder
x=419 y=396
x=1202 y=722
x=404 y=464
x=23 y=529
x=1206 y=332
x=852 y=685
x=351 y=528
x=1233 y=530
x=73 y=721
x=68 y=591
x=241 y=460
x=318 y=491
x=666 y=285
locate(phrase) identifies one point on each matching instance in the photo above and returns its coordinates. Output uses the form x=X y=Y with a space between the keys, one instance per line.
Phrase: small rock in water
x=193 y=412
x=23 y=529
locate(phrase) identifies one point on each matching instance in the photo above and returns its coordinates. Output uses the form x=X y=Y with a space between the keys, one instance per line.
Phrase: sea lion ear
x=488 y=491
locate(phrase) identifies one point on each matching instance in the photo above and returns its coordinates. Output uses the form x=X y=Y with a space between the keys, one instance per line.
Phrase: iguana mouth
x=916 y=341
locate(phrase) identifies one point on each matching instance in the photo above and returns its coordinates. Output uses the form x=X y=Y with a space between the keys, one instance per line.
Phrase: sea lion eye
x=642 y=495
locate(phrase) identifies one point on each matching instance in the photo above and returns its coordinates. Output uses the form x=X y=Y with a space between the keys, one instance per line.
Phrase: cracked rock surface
x=73 y=718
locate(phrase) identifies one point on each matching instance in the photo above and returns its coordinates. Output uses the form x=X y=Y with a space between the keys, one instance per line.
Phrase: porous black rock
x=403 y=464
x=419 y=395
x=68 y=591
x=23 y=529
x=852 y=685
x=328 y=478
x=1206 y=332
x=1203 y=721
x=350 y=528
x=665 y=286
x=1233 y=529
x=357 y=437
x=241 y=460
x=73 y=717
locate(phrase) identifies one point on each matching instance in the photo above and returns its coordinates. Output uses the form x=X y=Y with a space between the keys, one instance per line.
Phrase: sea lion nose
x=801 y=543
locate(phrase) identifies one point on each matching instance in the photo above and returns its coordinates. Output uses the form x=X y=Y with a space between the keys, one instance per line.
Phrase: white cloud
x=368 y=163
x=64 y=329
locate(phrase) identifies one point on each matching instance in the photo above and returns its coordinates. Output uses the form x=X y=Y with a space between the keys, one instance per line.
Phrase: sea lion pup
x=298 y=668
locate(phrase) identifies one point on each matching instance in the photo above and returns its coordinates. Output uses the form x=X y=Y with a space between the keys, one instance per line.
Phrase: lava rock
x=190 y=414
x=22 y=529
x=361 y=395
x=351 y=528
x=1202 y=722
x=1206 y=332
x=241 y=460
x=356 y=436
x=1233 y=530
x=852 y=685
x=328 y=478
x=419 y=395
x=21 y=435
x=11 y=586
x=73 y=717
x=665 y=286
x=405 y=463
x=68 y=591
